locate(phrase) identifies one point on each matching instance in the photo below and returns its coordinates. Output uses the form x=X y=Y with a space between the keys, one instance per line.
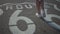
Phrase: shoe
x=38 y=15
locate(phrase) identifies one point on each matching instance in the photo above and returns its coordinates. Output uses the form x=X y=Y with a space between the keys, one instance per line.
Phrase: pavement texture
x=17 y=16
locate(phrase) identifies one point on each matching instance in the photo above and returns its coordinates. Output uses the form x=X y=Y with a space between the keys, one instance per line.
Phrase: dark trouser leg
x=38 y=6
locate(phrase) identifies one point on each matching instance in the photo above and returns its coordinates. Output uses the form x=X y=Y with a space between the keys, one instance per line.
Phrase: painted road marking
x=1 y=11
x=14 y=17
x=58 y=0
x=13 y=21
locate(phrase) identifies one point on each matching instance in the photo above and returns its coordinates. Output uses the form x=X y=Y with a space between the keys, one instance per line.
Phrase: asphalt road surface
x=18 y=17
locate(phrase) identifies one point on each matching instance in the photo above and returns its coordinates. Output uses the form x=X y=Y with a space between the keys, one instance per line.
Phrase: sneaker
x=38 y=15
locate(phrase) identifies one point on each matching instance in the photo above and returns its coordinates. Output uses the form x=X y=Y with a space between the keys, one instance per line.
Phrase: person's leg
x=42 y=7
x=38 y=6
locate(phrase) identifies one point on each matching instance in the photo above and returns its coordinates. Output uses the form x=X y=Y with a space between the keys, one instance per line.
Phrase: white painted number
x=48 y=18
x=13 y=20
x=55 y=7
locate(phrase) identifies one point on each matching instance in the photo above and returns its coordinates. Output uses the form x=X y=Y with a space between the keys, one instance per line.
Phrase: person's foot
x=38 y=15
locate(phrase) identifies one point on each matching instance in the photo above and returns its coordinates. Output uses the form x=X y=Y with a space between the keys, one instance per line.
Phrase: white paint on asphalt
x=9 y=7
x=13 y=21
x=49 y=18
x=19 y=6
x=58 y=0
x=1 y=11
x=30 y=30
x=14 y=17
x=28 y=6
x=55 y=7
x=17 y=3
